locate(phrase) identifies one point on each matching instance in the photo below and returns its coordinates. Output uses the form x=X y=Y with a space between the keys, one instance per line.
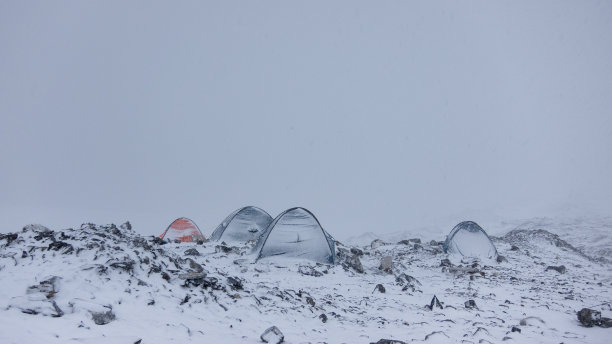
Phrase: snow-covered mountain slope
x=100 y=284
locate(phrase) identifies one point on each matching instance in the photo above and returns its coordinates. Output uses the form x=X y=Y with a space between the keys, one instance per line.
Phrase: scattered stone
x=103 y=318
x=386 y=264
x=435 y=303
x=354 y=263
x=560 y=269
x=211 y=282
x=530 y=321
x=408 y=282
x=501 y=259
x=226 y=249
x=380 y=288
x=310 y=301
x=433 y=243
x=49 y=287
x=590 y=317
x=192 y=252
x=159 y=241
x=514 y=248
x=446 y=262
x=356 y=251
x=60 y=245
x=10 y=237
x=166 y=276
x=125 y=264
x=193 y=278
x=194 y=266
x=470 y=304
x=235 y=283
x=516 y=329
x=24 y=254
x=323 y=317
x=272 y=335
x=126 y=226
x=388 y=341
x=376 y=244
x=309 y=271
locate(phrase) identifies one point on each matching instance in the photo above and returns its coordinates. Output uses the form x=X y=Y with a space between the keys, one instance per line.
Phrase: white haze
x=377 y=116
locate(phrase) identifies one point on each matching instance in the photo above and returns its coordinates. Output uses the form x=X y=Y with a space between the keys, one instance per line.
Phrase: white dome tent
x=296 y=233
x=242 y=225
x=468 y=239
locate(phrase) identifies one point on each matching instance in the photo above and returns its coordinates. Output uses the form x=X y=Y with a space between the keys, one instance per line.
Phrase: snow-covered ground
x=56 y=285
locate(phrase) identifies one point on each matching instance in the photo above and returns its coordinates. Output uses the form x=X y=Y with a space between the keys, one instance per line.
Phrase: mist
x=378 y=117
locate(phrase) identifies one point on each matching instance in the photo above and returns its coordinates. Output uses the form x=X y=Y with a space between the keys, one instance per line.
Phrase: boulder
x=386 y=264
x=272 y=335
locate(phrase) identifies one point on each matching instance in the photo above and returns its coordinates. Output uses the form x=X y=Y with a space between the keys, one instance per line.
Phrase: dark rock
x=186 y=299
x=272 y=335
x=376 y=244
x=323 y=317
x=446 y=262
x=235 y=283
x=408 y=282
x=433 y=243
x=126 y=226
x=380 y=288
x=24 y=254
x=60 y=245
x=354 y=263
x=310 y=301
x=193 y=278
x=166 y=276
x=470 y=304
x=226 y=249
x=417 y=246
x=605 y=322
x=514 y=248
x=516 y=329
x=560 y=269
x=389 y=341
x=356 y=251
x=403 y=242
x=159 y=241
x=435 y=303
x=194 y=266
x=589 y=317
x=126 y=264
x=10 y=237
x=138 y=341
x=501 y=258
x=103 y=318
x=211 y=282
x=192 y=252
x=309 y=271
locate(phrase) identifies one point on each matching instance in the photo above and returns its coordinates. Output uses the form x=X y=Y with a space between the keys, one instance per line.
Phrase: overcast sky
x=377 y=116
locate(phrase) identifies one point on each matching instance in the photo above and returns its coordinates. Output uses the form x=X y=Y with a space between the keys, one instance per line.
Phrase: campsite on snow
x=259 y=279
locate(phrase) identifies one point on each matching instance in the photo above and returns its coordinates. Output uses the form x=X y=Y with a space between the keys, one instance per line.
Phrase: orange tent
x=184 y=230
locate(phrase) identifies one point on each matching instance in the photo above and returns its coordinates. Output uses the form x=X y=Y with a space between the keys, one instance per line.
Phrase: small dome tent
x=469 y=240
x=182 y=229
x=296 y=233
x=242 y=225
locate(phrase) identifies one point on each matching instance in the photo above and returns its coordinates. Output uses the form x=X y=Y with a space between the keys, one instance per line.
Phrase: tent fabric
x=184 y=230
x=296 y=233
x=469 y=240
x=242 y=225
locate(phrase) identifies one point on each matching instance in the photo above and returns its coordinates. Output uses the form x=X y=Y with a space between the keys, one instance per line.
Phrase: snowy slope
x=166 y=294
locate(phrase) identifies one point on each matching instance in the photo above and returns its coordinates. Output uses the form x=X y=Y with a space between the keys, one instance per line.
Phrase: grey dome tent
x=469 y=240
x=296 y=233
x=242 y=225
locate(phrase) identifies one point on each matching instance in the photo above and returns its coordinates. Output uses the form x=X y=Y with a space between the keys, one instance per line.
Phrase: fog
x=376 y=116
